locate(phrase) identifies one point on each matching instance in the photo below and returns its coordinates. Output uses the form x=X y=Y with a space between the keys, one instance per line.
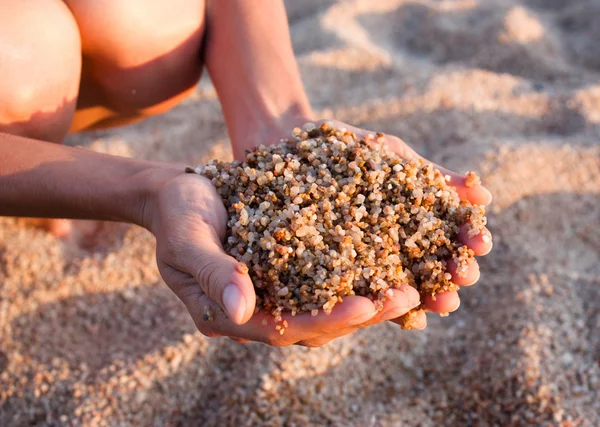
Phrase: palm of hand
x=190 y=223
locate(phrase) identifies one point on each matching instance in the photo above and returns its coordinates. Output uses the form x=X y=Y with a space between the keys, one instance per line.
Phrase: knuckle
x=175 y=249
x=206 y=277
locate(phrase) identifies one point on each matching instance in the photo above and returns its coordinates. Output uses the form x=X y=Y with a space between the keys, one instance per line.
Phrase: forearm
x=251 y=63
x=40 y=179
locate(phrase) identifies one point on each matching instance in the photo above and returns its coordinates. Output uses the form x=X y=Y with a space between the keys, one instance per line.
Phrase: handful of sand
x=324 y=215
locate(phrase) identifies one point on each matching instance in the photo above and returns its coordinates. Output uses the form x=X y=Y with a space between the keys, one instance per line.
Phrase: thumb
x=224 y=280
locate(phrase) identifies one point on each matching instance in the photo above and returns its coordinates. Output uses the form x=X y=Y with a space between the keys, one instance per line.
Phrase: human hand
x=189 y=221
x=481 y=244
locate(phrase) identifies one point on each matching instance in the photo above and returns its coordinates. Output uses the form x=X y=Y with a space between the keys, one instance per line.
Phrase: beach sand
x=508 y=88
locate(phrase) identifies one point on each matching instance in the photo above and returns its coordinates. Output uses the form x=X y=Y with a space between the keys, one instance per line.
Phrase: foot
x=60 y=228
x=86 y=234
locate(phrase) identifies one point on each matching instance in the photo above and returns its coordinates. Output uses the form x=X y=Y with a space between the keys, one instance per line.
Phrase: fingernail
x=488 y=193
x=489 y=249
x=361 y=318
x=234 y=302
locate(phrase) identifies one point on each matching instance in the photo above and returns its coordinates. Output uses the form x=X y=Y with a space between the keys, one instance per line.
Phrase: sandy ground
x=509 y=88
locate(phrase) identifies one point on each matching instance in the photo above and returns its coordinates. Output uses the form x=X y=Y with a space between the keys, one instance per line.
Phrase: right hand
x=189 y=221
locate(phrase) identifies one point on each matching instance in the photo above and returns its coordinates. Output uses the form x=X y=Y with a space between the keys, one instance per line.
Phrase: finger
x=204 y=312
x=476 y=194
x=347 y=315
x=445 y=302
x=221 y=277
x=481 y=243
x=418 y=322
x=262 y=326
x=469 y=277
x=402 y=301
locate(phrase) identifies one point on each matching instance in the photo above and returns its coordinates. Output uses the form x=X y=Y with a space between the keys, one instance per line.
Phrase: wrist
x=268 y=130
x=145 y=187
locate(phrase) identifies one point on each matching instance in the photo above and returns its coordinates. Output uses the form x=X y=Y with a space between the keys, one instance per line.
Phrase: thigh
x=139 y=57
x=40 y=68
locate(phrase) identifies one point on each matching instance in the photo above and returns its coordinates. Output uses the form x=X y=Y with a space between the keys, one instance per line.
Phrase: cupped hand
x=481 y=244
x=189 y=222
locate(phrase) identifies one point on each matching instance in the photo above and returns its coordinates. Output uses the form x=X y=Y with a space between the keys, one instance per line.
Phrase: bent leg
x=140 y=58
x=40 y=68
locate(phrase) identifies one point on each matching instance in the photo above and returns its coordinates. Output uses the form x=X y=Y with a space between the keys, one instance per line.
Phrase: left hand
x=189 y=221
x=481 y=244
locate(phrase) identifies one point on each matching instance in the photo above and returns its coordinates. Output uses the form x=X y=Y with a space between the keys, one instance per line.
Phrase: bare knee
x=139 y=54
x=40 y=68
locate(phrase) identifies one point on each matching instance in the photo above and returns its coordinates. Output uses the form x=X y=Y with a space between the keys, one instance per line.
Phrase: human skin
x=117 y=83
